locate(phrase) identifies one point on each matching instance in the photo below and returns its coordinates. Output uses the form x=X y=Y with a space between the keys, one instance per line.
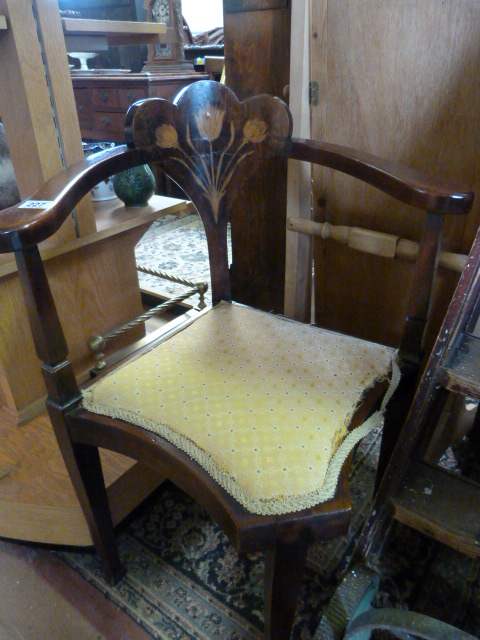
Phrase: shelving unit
x=38 y=110
x=116 y=32
x=416 y=490
x=106 y=261
x=37 y=500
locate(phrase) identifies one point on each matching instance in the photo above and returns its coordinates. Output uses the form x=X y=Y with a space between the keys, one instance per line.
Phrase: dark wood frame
x=449 y=511
x=285 y=539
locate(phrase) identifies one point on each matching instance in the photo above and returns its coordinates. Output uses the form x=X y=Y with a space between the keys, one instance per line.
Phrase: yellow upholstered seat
x=264 y=406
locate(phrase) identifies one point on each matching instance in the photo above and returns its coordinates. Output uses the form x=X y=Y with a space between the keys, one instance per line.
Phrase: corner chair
x=253 y=415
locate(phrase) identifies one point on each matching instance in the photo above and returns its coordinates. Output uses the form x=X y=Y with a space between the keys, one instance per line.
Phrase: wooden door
x=400 y=80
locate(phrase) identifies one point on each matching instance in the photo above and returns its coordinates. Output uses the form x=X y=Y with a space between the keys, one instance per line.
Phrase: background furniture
x=441 y=500
x=124 y=57
x=182 y=140
x=257 y=60
x=415 y=489
x=43 y=134
x=38 y=111
x=168 y=57
x=102 y=102
x=419 y=72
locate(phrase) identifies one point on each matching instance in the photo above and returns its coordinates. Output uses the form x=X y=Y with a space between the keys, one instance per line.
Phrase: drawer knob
x=105 y=120
x=79 y=108
x=103 y=96
x=131 y=96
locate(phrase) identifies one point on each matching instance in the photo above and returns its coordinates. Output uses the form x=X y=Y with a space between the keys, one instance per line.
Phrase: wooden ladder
x=415 y=490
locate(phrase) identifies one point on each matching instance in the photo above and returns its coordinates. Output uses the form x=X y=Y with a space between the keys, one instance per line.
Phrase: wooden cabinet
x=37 y=106
x=102 y=101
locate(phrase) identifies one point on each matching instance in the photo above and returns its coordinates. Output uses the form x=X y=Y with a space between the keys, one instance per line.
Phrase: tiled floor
x=42 y=599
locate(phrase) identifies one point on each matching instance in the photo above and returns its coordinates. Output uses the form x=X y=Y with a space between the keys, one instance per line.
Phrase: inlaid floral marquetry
x=210 y=144
x=206 y=145
x=213 y=174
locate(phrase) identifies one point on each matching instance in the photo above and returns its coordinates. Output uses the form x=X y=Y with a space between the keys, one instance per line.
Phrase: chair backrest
x=205 y=142
x=210 y=143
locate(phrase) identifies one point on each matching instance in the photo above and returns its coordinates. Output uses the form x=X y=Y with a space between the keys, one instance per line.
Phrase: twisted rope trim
x=166 y=276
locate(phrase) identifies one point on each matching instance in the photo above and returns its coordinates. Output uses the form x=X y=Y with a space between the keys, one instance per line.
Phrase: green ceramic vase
x=135 y=186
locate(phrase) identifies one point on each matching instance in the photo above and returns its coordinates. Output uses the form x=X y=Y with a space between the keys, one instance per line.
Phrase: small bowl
x=103 y=191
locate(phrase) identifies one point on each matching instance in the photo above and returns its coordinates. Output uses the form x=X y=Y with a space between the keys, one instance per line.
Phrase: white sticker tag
x=36 y=204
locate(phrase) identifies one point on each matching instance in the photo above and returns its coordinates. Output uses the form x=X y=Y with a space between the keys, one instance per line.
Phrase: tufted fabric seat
x=262 y=405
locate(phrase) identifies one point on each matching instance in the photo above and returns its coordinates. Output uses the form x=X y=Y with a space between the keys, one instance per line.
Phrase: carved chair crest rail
x=253 y=415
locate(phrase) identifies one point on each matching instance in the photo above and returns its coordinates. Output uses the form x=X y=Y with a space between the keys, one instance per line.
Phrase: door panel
x=400 y=80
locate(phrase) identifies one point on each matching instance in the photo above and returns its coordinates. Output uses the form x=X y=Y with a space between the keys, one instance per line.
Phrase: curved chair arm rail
x=38 y=217
x=408 y=185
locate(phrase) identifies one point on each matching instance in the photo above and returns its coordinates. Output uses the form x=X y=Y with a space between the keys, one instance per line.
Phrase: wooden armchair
x=253 y=415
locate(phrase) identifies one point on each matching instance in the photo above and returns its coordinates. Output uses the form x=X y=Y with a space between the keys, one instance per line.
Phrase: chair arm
x=38 y=217
x=408 y=185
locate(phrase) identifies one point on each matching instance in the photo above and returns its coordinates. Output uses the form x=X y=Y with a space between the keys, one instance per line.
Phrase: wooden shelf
x=116 y=32
x=461 y=374
x=111 y=217
x=445 y=507
x=105 y=263
x=37 y=500
x=111 y=214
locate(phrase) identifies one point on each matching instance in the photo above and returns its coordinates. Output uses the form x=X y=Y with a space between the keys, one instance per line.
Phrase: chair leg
x=284 y=566
x=395 y=415
x=85 y=470
x=101 y=526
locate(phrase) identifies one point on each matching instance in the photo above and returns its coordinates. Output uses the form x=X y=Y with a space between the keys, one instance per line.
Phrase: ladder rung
x=462 y=373
x=442 y=505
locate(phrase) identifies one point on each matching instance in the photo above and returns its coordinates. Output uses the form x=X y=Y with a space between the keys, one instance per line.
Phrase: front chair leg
x=98 y=511
x=85 y=470
x=284 y=566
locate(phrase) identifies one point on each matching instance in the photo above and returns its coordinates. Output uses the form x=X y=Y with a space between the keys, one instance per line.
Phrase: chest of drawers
x=102 y=101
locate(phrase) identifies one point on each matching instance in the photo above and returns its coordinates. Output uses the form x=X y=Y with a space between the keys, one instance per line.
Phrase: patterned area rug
x=185 y=581
x=179 y=247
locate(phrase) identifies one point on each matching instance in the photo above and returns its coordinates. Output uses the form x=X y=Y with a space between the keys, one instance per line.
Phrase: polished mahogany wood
x=210 y=144
x=25 y=224
x=204 y=144
x=407 y=185
x=82 y=461
x=284 y=566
